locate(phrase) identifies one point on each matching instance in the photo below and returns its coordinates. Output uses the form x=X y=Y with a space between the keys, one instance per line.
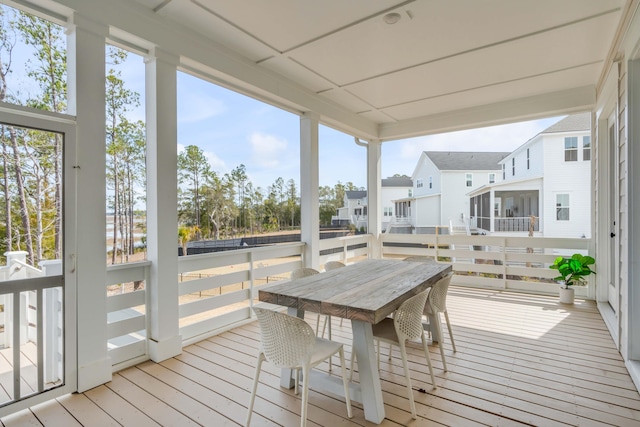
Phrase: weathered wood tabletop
x=368 y=291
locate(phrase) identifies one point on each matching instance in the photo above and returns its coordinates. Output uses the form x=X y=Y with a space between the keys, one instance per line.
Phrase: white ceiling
x=443 y=56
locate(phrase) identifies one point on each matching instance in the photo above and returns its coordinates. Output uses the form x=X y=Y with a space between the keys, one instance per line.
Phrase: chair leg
x=346 y=383
x=254 y=389
x=446 y=317
x=352 y=363
x=405 y=365
x=305 y=396
x=441 y=343
x=317 y=324
x=426 y=353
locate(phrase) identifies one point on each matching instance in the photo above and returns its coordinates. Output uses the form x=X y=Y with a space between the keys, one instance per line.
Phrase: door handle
x=613 y=234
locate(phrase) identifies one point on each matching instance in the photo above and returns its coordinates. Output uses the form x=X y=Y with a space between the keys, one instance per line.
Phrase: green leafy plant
x=573 y=270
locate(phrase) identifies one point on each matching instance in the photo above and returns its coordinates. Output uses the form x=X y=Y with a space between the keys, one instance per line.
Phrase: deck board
x=522 y=360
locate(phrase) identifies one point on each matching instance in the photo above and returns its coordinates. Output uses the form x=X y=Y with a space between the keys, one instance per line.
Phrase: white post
x=374 y=188
x=86 y=95
x=309 y=183
x=52 y=318
x=162 y=205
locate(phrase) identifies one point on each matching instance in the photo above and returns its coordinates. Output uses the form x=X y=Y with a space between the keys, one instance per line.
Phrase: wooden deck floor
x=521 y=360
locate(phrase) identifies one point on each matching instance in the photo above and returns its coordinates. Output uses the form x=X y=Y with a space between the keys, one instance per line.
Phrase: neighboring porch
x=521 y=360
x=498 y=211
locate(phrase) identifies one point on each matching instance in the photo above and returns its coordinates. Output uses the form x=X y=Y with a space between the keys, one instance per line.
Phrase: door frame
x=65 y=125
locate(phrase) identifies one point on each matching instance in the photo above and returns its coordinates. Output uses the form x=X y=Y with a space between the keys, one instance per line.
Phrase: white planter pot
x=567 y=295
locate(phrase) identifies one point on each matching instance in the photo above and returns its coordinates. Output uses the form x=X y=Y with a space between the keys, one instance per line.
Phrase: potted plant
x=572 y=271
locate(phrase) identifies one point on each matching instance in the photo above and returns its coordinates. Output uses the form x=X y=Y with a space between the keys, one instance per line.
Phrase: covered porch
x=170 y=342
x=521 y=360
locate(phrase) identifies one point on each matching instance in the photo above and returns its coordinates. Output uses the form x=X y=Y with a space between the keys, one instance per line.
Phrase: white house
x=548 y=178
x=441 y=181
x=354 y=209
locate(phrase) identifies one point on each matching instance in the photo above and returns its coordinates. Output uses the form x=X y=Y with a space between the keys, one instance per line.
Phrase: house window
x=430 y=182
x=469 y=179
x=388 y=211
x=562 y=207
x=571 y=149
x=528 y=163
x=419 y=183
x=492 y=178
x=410 y=193
x=586 y=148
x=513 y=166
x=504 y=168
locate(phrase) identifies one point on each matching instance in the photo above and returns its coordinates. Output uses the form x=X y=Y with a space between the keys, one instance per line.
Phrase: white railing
x=516 y=263
x=346 y=249
x=218 y=289
x=127 y=322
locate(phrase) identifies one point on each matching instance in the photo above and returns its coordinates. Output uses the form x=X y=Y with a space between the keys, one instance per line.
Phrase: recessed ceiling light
x=391 y=18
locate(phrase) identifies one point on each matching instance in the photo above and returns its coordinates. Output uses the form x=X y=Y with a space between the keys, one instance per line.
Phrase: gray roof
x=360 y=194
x=464 y=160
x=576 y=122
x=397 y=181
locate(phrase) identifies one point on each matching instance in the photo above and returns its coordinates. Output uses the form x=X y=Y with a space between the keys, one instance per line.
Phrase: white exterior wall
x=455 y=201
x=536 y=161
x=426 y=211
x=423 y=170
x=571 y=178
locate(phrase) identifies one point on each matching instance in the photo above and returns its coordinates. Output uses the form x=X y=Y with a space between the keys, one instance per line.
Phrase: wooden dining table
x=365 y=293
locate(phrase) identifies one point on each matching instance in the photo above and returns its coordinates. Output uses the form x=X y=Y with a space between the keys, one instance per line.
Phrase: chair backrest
x=332 y=265
x=287 y=341
x=438 y=295
x=408 y=317
x=303 y=272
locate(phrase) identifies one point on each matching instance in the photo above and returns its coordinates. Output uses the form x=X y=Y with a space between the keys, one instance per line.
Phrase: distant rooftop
x=576 y=122
x=464 y=160
x=360 y=194
x=397 y=181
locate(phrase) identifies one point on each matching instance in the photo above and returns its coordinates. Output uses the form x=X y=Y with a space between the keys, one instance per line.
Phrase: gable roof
x=359 y=194
x=573 y=123
x=397 y=181
x=466 y=160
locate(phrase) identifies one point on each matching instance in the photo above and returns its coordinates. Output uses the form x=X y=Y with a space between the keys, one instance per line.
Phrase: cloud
x=196 y=106
x=267 y=150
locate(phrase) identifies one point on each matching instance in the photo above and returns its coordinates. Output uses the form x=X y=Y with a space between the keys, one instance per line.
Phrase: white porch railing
x=217 y=290
x=517 y=263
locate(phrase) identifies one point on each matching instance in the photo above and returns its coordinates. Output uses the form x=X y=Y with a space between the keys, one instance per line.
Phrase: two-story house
x=354 y=208
x=545 y=185
x=441 y=182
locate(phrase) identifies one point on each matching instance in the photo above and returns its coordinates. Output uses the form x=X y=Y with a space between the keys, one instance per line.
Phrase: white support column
x=162 y=205
x=374 y=202
x=309 y=184
x=86 y=95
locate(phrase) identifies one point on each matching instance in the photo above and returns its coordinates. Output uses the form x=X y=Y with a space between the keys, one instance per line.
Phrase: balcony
x=521 y=360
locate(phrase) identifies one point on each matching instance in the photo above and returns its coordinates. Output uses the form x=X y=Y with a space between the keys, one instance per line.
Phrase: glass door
x=37 y=333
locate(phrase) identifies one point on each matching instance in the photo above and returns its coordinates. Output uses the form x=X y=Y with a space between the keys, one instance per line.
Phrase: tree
x=239 y=176
x=123 y=138
x=193 y=171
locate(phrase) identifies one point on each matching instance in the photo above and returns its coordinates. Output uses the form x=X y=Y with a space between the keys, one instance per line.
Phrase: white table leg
x=435 y=333
x=368 y=370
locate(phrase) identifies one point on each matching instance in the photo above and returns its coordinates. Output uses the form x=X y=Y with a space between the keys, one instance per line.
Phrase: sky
x=234 y=129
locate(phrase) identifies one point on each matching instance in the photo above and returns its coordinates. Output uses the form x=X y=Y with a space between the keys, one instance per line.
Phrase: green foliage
x=573 y=270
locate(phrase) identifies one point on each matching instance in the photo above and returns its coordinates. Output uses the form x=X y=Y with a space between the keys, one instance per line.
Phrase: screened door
x=37 y=331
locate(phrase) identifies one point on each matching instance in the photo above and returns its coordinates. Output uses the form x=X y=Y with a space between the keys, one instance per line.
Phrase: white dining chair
x=436 y=304
x=406 y=325
x=289 y=343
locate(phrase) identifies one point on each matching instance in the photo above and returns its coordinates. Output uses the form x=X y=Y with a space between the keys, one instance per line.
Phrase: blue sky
x=233 y=129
